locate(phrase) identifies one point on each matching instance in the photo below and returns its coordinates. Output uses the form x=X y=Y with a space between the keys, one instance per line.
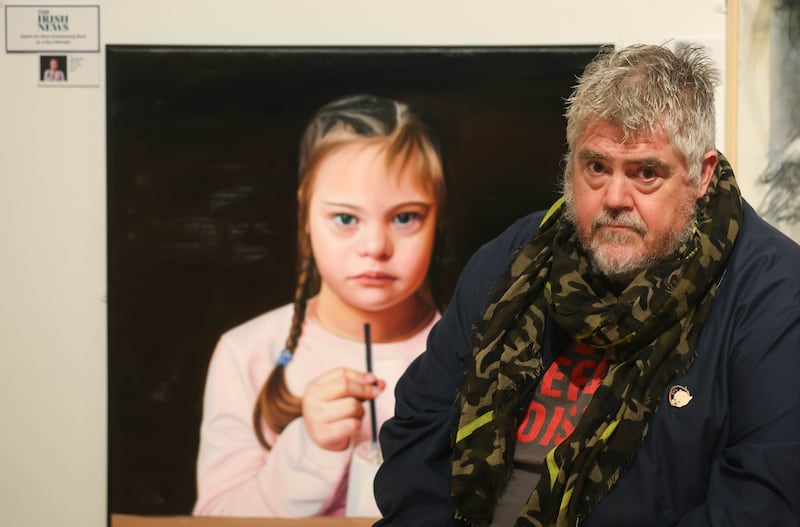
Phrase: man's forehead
x=604 y=140
x=624 y=134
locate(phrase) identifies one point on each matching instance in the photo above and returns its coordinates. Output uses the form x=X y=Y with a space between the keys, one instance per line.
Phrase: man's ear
x=707 y=167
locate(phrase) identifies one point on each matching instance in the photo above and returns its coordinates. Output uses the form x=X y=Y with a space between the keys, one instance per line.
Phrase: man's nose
x=618 y=192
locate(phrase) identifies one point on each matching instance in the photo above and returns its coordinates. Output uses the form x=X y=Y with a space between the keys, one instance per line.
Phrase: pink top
x=236 y=476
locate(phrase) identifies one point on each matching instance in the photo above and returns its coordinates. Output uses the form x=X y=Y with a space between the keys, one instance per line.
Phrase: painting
x=202 y=146
x=770 y=58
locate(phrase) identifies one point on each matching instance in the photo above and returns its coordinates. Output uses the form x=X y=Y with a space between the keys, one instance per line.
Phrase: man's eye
x=647 y=173
x=345 y=220
x=406 y=218
x=595 y=167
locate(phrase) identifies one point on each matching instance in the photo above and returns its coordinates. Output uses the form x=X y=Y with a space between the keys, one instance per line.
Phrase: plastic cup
x=360 y=495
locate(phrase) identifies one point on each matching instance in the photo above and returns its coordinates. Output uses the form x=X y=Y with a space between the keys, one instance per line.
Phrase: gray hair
x=647 y=89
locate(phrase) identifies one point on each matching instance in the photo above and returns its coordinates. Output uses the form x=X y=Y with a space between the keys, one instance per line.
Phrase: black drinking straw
x=373 y=417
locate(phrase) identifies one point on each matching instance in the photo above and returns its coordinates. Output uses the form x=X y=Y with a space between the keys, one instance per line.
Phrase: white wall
x=52 y=203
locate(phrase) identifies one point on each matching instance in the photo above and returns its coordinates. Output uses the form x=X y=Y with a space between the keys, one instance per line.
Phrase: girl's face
x=371 y=227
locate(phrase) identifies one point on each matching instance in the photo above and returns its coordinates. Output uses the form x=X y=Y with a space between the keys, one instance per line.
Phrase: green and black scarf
x=650 y=331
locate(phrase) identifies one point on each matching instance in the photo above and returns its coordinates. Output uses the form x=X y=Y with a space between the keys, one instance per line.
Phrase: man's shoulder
x=760 y=247
x=515 y=235
x=487 y=264
x=763 y=269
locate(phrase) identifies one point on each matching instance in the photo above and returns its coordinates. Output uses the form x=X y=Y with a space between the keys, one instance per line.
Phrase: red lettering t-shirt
x=560 y=398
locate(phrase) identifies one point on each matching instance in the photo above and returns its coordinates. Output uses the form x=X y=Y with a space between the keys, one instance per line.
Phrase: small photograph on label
x=53 y=68
x=70 y=69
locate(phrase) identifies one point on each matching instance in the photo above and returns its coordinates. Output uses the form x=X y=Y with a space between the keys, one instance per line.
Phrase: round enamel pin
x=679 y=396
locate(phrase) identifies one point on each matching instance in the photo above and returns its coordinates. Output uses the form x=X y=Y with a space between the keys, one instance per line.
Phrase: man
x=629 y=358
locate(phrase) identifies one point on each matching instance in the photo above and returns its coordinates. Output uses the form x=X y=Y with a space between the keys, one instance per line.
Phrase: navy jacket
x=730 y=457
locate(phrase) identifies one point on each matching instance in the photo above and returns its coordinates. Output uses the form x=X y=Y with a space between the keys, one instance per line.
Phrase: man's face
x=631 y=201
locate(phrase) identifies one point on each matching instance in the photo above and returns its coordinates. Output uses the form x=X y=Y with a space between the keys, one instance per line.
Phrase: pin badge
x=679 y=396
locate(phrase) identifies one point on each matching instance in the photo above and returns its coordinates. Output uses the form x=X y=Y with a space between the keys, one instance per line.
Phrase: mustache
x=619 y=219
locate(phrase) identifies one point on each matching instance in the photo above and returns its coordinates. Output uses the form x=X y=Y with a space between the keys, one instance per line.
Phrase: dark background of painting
x=202 y=147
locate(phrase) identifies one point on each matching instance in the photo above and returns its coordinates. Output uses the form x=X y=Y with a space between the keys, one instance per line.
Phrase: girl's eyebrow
x=350 y=208
x=419 y=207
x=340 y=204
x=424 y=204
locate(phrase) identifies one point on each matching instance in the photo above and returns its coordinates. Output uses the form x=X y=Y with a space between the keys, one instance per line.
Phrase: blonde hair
x=405 y=136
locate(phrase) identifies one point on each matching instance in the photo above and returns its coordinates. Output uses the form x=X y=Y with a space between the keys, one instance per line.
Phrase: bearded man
x=628 y=358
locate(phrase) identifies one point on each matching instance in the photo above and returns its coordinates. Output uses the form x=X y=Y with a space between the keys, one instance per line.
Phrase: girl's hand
x=332 y=407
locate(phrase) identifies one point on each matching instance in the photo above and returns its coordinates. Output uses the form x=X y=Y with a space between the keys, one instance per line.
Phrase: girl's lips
x=374 y=278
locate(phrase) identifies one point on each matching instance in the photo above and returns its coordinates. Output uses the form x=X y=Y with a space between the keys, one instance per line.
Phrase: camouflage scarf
x=650 y=331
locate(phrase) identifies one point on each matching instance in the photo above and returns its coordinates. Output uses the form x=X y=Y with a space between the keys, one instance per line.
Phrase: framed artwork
x=202 y=146
x=768 y=40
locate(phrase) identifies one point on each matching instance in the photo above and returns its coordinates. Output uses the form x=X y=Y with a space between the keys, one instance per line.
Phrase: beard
x=610 y=251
